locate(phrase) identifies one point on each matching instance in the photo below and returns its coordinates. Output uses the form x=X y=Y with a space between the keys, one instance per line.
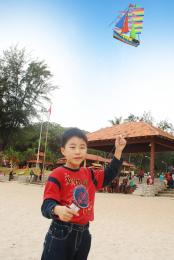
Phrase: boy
x=69 y=198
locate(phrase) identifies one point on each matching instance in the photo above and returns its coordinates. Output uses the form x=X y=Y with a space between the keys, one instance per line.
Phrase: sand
x=126 y=227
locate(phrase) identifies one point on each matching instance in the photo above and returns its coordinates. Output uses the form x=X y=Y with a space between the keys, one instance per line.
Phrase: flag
x=49 y=110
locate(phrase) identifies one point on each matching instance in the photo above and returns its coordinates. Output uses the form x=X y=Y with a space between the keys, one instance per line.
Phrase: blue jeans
x=66 y=241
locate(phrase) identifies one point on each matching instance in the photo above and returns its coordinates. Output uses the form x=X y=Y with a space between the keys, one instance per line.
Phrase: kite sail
x=129 y=25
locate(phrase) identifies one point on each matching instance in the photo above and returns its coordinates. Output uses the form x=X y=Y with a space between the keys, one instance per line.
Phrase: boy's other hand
x=65 y=213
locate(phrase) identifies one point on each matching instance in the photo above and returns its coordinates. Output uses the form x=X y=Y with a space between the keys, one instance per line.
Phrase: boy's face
x=74 y=151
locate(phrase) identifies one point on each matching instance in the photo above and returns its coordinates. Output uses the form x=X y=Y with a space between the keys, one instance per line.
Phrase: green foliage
x=166 y=126
x=146 y=117
x=13 y=156
x=54 y=136
x=24 y=85
x=29 y=154
x=116 y=121
x=132 y=118
x=51 y=156
x=164 y=160
x=25 y=148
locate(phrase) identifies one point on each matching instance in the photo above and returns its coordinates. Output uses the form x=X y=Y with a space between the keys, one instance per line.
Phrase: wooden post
x=152 y=159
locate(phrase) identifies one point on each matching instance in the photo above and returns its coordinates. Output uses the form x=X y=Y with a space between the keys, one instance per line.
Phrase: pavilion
x=141 y=137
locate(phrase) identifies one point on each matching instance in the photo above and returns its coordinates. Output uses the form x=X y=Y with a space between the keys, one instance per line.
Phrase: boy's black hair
x=73 y=132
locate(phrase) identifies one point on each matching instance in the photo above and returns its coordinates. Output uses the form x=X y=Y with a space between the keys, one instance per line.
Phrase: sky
x=99 y=77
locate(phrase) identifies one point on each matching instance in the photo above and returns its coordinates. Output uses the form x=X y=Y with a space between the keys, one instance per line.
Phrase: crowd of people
x=168 y=179
x=125 y=185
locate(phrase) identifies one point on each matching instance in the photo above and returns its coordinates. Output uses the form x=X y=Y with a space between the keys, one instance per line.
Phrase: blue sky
x=99 y=77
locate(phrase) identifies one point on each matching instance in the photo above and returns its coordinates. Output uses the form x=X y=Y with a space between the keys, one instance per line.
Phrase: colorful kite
x=129 y=25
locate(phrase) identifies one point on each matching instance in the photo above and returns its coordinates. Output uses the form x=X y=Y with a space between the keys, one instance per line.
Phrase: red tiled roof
x=40 y=161
x=131 y=129
x=34 y=161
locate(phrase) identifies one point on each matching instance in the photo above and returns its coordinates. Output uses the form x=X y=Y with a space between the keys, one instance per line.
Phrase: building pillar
x=152 y=159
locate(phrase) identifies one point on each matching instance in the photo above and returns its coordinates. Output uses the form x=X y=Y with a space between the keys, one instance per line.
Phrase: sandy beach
x=126 y=227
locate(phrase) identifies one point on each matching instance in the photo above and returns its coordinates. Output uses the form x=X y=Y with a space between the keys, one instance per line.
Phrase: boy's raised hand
x=120 y=143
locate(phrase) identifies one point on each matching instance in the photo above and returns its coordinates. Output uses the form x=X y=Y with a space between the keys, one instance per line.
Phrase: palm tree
x=115 y=121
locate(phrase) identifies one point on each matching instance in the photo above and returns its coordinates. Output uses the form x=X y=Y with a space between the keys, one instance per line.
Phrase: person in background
x=161 y=177
x=141 y=175
x=149 y=180
x=11 y=176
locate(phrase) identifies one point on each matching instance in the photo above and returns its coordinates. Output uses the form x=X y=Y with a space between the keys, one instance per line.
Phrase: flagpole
x=46 y=138
x=38 y=150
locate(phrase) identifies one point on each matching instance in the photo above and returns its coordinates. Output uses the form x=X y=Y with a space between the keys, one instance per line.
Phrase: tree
x=27 y=144
x=147 y=117
x=116 y=121
x=13 y=156
x=164 y=125
x=54 y=136
x=132 y=118
x=24 y=86
x=29 y=154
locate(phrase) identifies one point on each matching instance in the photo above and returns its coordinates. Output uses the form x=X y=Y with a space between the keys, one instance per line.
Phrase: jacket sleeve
x=52 y=188
x=51 y=196
x=47 y=206
x=112 y=170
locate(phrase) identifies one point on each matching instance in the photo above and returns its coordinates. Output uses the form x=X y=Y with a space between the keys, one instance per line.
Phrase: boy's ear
x=62 y=149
